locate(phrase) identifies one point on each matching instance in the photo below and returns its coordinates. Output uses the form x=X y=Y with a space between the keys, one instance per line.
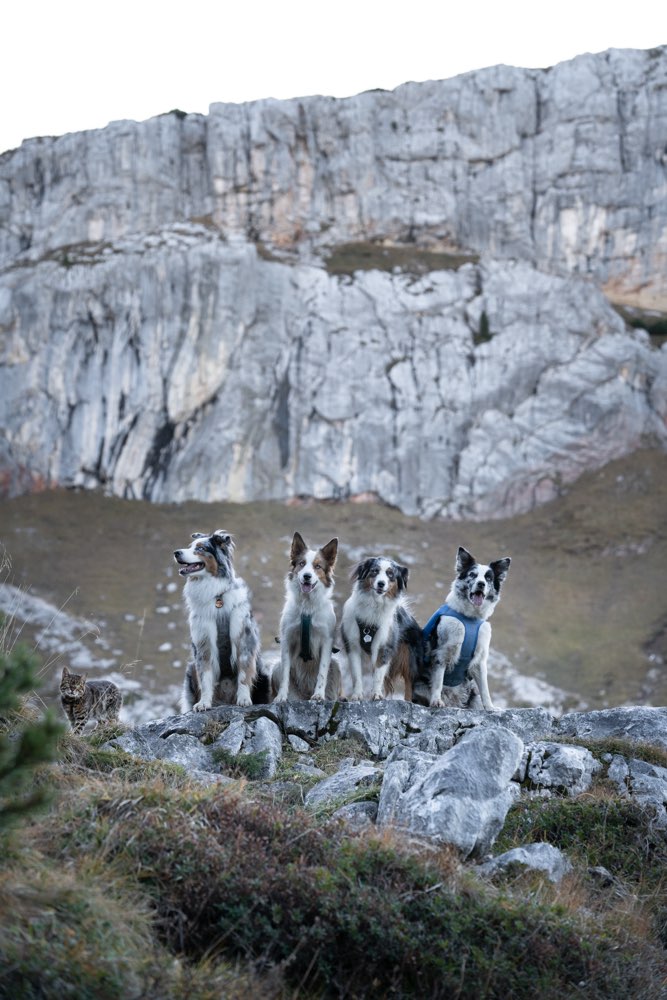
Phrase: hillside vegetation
x=139 y=882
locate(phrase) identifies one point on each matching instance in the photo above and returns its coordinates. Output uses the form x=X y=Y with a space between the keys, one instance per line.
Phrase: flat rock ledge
x=446 y=776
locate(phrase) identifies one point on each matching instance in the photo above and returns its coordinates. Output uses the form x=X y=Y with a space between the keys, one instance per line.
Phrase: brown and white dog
x=378 y=630
x=307 y=626
x=226 y=667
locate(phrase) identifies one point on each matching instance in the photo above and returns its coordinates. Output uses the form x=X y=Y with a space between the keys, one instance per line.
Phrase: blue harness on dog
x=471 y=625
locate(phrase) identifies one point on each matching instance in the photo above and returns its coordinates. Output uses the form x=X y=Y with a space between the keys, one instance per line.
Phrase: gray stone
x=297 y=744
x=639 y=723
x=206 y=778
x=381 y=725
x=306 y=719
x=342 y=784
x=232 y=738
x=185 y=750
x=404 y=768
x=560 y=768
x=645 y=783
x=308 y=769
x=132 y=742
x=357 y=816
x=540 y=857
x=266 y=738
x=459 y=798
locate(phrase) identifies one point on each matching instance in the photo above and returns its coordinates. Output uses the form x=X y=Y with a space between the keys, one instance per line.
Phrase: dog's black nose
x=306 y=577
x=380 y=585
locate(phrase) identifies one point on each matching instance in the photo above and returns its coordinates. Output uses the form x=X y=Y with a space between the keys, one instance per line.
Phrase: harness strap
x=305 y=651
x=472 y=626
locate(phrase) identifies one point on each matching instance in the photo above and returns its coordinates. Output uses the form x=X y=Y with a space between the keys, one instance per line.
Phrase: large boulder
x=459 y=798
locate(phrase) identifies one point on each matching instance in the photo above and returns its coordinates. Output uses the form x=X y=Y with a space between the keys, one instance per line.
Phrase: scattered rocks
x=443 y=775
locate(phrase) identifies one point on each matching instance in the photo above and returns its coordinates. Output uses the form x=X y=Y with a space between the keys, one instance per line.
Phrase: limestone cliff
x=181 y=313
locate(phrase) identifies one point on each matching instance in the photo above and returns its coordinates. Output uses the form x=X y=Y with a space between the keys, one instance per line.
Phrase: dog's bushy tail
x=261 y=689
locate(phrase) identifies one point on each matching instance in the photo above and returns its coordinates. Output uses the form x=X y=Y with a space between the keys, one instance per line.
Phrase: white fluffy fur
x=308 y=591
x=207 y=622
x=374 y=603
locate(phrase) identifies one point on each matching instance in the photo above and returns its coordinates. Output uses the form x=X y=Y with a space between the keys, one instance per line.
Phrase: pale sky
x=69 y=65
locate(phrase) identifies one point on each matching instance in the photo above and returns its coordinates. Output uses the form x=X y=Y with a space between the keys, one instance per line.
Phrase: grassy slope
x=141 y=884
x=583 y=605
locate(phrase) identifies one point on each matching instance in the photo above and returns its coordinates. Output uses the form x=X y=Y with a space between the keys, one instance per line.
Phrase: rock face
x=170 y=329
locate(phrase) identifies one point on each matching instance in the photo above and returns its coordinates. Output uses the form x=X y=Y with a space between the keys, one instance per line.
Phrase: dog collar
x=366 y=635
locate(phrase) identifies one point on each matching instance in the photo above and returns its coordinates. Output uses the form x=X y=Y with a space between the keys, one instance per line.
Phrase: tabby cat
x=83 y=700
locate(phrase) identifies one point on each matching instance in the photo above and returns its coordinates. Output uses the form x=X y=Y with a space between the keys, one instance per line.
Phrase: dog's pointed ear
x=330 y=552
x=500 y=570
x=298 y=547
x=464 y=561
x=221 y=537
x=402 y=574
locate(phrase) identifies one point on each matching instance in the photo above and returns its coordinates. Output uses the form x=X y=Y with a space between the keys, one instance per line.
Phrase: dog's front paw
x=377 y=697
x=356 y=696
x=280 y=698
x=317 y=696
x=201 y=706
x=243 y=700
x=436 y=703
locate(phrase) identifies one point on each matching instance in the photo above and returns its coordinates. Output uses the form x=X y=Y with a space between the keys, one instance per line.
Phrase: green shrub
x=613 y=833
x=25 y=743
x=243 y=765
x=341 y=916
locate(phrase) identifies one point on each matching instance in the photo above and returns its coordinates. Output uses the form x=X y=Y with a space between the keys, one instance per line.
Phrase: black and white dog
x=457 y=637
x=377 y=629
x=227 y=667
x=307 y=626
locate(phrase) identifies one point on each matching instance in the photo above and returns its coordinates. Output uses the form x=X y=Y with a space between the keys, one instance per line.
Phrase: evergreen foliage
x=24 y=743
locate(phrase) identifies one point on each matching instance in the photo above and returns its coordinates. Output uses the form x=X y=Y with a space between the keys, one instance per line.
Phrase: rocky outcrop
x=181 y=316
x=185 y=368
x=563 y=167
x=447 y=776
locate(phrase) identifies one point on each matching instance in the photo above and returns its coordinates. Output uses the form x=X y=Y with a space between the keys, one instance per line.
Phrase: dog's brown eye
x=390 y=575
x=302 y=563
x=317 y=565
